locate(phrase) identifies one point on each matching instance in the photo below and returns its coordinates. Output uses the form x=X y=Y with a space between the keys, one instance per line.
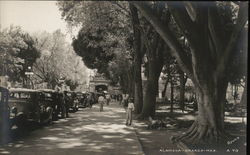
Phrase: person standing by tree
x=129 y=111
x=101 y=101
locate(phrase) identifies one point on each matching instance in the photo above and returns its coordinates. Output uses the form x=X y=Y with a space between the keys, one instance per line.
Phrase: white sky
x=32 y=16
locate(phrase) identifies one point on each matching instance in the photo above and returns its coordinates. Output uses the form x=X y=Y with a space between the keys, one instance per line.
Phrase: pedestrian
x=101 y=102
x=120 y=99
x=123 y=100
x=67 y=103
x=126 y=100
x=89 y=101
x=108 y=98
x=129 y=111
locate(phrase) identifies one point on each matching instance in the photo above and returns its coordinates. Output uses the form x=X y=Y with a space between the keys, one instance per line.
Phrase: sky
x=32 y=16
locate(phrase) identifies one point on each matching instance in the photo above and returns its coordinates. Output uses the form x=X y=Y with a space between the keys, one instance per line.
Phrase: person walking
x=108 y=98
x=101 y=102
x=89 y=101
x=129 y=112
x=67 y=103
x=120 y=99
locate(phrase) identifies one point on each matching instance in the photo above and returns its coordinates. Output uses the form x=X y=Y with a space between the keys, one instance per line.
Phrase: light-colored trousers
x=101 y=105
x=129 y=116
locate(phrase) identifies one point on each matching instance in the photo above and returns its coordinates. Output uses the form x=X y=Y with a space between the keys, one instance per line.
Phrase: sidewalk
x=156 y=142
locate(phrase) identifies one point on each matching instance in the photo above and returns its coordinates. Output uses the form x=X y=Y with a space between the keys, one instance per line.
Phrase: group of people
x=124 y=99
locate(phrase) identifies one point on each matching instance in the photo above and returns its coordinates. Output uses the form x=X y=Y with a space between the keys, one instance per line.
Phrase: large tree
x=138 y=47
x=57 y=60
x=18 y=51
x=212 y=34
x=105 y=35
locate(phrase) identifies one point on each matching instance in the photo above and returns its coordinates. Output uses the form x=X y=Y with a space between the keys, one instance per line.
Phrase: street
x=87 y=131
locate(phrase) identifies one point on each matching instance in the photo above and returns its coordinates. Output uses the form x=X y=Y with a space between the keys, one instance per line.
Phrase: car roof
x=47 y=90
x=22 y=90
x=3 y=88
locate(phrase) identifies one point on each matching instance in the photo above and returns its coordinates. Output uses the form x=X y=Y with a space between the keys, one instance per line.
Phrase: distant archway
x=100 y=88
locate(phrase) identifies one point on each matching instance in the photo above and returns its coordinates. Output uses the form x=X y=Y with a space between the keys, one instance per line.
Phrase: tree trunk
x=206 y=67
x=149 y=99
x=138 y=96
x=243 y=100
x=209 y=125
x=165 y=87
x=182 y=90
x=155 y=65
x=171 y=95
x=130 y=82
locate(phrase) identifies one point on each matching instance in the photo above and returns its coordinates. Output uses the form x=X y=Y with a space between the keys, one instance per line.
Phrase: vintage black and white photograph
x=123 y=77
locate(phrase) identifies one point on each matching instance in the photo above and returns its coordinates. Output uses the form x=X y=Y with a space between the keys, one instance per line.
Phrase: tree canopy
x=18 y=52
x=58 y=60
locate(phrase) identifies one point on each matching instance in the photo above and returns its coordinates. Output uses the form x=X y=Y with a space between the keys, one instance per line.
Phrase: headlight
x=14 y=110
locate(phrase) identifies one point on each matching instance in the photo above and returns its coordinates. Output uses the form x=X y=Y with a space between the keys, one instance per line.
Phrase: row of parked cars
x=19 y=106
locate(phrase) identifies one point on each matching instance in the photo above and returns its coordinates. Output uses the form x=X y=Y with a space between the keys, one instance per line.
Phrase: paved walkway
x=86 y=132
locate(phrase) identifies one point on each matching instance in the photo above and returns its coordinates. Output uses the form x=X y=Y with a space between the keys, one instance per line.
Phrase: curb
x=138 y=140
x=137 y=137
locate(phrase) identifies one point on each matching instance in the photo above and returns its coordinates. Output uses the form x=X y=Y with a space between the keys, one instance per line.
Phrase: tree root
x=141 y=117
x=202 y=134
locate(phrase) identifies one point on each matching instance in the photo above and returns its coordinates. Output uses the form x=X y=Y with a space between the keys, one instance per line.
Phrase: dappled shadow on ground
x=86 y=132
x=157 y=141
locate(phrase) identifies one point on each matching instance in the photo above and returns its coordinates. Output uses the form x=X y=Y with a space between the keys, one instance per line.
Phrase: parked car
x=59 y=99
x=50 y=98
x=4 y=114
x=71 y=101
x=26 y=106
x=81 y=99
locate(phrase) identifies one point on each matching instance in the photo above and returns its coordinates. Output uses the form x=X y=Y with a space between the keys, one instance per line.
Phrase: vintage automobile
x=54 y=99
x=71 y=101
x=4 y=114
x=59 y=97
x=81 y=99
x=26 y=106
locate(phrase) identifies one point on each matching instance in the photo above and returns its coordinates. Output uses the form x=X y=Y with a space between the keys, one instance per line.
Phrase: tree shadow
x=87 y=131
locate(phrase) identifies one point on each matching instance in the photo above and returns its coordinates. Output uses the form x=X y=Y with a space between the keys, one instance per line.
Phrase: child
x=129 y=111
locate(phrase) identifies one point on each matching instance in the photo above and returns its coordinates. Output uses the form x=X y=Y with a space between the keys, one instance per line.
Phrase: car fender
x=19 y=114
x=49 y=109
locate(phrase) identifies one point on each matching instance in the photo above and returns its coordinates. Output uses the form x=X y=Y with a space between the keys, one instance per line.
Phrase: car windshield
x=20 y=95
x=68 y=94
x=48 y=95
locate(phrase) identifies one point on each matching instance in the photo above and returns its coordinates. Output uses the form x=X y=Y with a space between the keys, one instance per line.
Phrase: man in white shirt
x=101 y=102
x=129 y=112
x=108 y=98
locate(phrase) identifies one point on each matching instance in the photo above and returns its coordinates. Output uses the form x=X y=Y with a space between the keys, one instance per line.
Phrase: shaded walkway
x=87 y=131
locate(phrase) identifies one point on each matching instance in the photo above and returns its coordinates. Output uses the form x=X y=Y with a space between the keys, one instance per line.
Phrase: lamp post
x=29 y=73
